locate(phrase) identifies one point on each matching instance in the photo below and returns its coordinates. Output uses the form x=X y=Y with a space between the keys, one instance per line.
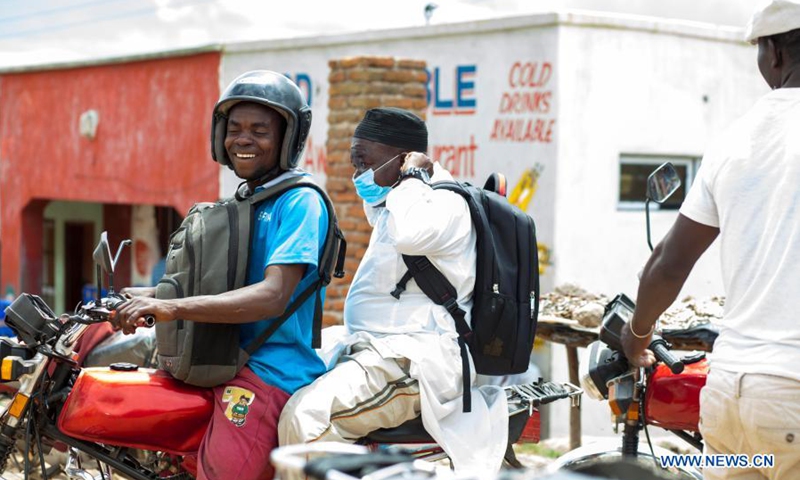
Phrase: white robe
x=418 y=220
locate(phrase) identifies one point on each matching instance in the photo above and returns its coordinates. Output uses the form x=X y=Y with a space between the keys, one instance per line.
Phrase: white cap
x=773 y=17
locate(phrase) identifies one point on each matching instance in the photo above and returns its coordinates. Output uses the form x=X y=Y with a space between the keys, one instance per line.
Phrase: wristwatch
x=415 y=172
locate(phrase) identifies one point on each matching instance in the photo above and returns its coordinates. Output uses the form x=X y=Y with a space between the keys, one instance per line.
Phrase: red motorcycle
x=141 y=422
x=666 y=395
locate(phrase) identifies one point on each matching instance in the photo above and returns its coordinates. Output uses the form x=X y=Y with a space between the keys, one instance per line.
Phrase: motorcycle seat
x=414 y=432
x=520 y=400
x=411 y=431
x=699 y=337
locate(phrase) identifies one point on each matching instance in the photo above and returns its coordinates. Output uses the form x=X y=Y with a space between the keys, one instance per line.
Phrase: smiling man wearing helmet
x=258 y=129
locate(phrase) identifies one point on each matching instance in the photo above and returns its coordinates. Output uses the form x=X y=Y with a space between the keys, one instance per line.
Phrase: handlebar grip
x=662 y=353
x=149 y=320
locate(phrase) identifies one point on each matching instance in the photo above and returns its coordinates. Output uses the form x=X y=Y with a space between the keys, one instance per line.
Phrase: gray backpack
x=208 y=255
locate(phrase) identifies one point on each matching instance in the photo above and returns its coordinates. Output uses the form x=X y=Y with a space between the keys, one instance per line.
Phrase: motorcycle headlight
x=603 y=365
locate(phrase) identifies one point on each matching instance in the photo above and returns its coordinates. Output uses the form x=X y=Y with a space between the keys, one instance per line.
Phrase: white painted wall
x=634 y=91
x=629 y=91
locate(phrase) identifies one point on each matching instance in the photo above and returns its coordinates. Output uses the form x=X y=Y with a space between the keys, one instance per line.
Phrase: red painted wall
x=152 y=143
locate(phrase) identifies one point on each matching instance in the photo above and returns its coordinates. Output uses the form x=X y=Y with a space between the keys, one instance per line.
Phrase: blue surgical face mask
x=369 y=191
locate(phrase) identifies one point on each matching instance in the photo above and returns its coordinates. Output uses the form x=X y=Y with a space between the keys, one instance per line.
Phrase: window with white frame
x=633 y=173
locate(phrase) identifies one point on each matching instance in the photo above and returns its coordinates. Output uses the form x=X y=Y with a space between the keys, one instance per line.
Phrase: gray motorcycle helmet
x=275 y=91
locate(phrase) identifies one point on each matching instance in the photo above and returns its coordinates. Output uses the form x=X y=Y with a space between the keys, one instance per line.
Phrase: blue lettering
x=461 y=101
x=669 y=461
x=736 y=461
x=303 y=81
x=465 y=85
x=428 y=87
x=438 y=102
x=678 y=461
x=764 y=461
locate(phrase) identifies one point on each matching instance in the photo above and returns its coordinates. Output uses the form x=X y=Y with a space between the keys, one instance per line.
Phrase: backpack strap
x=484 y=239
x=438 y=288
x=331 y=260
x=277 y=188
x=315 y=287
x=257 y=342
x=335 y=249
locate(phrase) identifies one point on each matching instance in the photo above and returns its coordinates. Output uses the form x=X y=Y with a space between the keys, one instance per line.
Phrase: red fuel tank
x=673 y=401
x=145 y=409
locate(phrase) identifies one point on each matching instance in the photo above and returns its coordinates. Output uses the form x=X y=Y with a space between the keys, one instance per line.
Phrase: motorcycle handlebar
x=660 y=348
x=107 y=311
x=149 y=321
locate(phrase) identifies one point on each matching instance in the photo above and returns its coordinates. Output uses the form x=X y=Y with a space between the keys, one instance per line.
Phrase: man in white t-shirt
x=747 y=192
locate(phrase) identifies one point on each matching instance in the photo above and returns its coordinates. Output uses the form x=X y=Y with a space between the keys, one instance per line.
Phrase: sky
x=55 y=31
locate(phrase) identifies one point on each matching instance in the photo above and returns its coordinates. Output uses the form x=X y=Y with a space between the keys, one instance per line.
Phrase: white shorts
x=751 y=414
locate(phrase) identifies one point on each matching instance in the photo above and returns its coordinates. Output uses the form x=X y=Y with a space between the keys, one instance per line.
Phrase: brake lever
x=107 y=311
x=92 y=314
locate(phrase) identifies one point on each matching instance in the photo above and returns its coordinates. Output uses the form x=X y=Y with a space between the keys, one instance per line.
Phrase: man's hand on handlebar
x=131 y=313
x=635 y=349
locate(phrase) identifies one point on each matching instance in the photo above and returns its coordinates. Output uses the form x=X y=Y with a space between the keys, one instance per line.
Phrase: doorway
x=78 y=272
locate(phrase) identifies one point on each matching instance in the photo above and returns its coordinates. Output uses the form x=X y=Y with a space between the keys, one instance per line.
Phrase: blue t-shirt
x=287 y=230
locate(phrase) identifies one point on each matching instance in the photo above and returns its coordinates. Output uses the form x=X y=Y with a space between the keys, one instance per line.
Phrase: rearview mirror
x=662 y=183
x=102 y=254
x=102 y=257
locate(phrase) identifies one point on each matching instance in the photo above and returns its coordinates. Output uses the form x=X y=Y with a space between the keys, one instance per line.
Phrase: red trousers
x=243 y=430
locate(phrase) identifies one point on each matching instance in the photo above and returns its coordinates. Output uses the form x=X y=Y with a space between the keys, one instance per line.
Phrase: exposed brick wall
x=356 y=85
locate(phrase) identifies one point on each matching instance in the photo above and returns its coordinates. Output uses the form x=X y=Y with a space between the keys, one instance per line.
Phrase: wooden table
x=572 y=335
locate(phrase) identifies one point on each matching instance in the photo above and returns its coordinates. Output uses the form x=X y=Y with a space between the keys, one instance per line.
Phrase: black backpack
x=505 y=300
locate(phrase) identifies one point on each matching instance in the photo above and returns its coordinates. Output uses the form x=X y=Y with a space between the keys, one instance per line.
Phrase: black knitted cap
x=395 y=127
